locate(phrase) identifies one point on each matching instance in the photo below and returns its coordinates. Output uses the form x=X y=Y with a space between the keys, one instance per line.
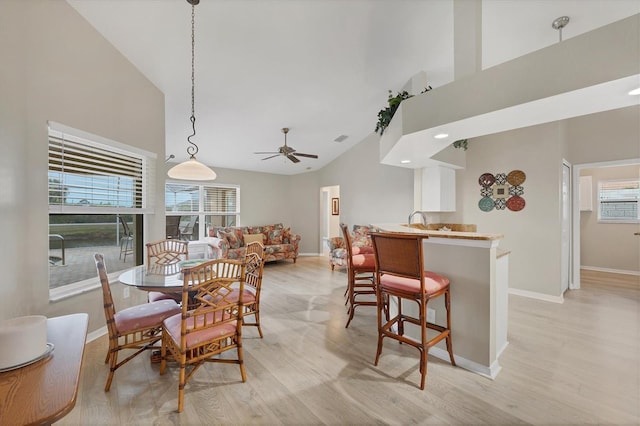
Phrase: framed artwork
x=335 y=206
x=502 y=191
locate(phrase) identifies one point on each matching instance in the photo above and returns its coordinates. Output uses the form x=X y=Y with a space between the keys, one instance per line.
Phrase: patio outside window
x=98 y=195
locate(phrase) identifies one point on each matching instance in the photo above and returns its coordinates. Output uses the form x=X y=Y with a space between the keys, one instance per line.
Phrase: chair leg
x=181 y=384
x=113 y=362
x=447 y=303
x=379 y=308
x=257 y=316
x=351 y=301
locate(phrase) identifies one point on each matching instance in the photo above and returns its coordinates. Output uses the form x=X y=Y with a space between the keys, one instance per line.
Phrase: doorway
x=565 y=239
x=329 y=220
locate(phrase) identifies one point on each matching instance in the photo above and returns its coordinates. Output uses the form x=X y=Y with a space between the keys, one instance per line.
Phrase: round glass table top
x=156 y=277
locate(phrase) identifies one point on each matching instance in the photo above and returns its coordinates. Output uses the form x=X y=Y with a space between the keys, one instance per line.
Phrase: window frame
x=202 y=212
x=602 y=202
x=142 y=201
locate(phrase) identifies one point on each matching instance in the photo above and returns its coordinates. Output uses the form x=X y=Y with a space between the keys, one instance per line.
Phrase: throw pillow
x=286 y=236
x=275 y=237
x=249 y=238
x=231 y=238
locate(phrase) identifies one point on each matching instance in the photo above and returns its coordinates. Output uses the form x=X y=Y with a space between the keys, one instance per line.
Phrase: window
x=190 y=205
x=97 y=189
x=618 y=201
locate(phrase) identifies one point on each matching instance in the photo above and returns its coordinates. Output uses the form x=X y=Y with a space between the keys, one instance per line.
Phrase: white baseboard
x=309 y=254
x=534 y=295
x=490 y=372
x=96 y=334
x=612 y=271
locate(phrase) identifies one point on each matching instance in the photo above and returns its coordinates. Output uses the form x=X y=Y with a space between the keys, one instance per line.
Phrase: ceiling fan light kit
x=192 y=169
x=286 y=151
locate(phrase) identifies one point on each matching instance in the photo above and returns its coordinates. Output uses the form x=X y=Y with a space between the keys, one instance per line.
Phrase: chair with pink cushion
x=214 y=325
x=136 y=328
x=400 y=274
x=165 y=253
x=361 y=266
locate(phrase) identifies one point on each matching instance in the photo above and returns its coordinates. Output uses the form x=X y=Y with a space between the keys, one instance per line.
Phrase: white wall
x=370 y=192
x=55 y=66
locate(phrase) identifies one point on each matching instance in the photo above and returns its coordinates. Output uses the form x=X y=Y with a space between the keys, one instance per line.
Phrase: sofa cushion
x=250 y=238
x=274 y=237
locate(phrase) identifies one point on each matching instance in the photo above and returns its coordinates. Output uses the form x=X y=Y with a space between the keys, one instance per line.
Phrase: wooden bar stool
x=361 y=276
x=400 y=274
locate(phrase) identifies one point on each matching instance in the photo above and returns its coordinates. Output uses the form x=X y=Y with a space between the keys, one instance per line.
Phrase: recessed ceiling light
x=340 y=138
x=405 y=161
x=441 y=135
x=635 y=91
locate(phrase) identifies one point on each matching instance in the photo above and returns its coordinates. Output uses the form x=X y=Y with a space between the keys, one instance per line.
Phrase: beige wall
x=56 y=67
x=532 y=234
x=609 y=246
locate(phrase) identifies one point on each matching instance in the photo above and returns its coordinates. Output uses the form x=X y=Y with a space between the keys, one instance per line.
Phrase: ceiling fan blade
x=306 y=155
x=273 y=156
x=267 y=152
x=292 y=158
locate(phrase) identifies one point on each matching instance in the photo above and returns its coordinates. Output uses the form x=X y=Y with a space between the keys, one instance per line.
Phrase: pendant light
x=192 y=169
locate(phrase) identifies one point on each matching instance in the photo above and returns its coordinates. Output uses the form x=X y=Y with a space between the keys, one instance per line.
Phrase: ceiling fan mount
x=286 y=151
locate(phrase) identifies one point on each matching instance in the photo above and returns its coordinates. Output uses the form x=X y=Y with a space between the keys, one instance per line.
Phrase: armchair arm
x=295 y=240
x=335 y=242
x=219 y=247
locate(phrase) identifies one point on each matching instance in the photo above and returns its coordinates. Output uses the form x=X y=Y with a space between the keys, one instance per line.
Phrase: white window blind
x=618 y=200
x=87 y=176
x=220 y=200
x=204 y=199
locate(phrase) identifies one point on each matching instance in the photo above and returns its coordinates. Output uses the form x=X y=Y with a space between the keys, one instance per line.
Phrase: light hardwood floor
x=571 y=363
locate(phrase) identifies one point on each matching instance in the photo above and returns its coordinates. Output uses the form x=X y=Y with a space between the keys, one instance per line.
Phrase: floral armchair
x=360 y=240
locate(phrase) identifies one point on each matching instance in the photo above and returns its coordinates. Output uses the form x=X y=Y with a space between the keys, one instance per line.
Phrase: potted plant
x=386 y=114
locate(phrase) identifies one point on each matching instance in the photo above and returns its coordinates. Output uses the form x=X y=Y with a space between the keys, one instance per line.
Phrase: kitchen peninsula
x=478 y=271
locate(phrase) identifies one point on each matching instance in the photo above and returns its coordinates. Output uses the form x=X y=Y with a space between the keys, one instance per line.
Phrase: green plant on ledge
x=386 y=114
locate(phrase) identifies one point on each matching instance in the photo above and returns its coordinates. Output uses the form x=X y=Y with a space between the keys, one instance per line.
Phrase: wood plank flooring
x=571 y=363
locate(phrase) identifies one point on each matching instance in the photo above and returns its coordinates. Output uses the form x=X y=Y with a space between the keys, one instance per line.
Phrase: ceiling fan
x=287 y=151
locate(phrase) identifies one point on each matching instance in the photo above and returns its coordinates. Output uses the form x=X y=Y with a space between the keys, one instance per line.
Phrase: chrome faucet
x=423 y=215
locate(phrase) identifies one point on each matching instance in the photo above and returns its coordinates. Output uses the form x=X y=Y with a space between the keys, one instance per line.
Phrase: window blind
x=87 y=176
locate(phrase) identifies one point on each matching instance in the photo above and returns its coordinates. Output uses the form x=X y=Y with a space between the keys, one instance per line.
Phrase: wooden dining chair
x=254 y=267
x=165 y=252
x=401 y=275
x=361 y=268
x=213 y=326
x=136 y=328
x=161 y=254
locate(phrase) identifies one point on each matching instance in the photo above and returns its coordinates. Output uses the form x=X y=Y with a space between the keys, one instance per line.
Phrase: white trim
x=80 y=287
x=96 y=334
x=490 y=372
x=535 y=295
x=105 y=142
x=613 y=271
x=462 y=242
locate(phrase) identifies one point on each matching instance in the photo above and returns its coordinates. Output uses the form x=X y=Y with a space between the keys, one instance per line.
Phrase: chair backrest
x=398 y=254
x=125 y=227
x=347 y=241
x=109 y=307
x=205 y=292
x=165 y=252
x=254 y=265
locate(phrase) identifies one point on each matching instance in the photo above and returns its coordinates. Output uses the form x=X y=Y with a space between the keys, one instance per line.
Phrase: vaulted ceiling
x=323 y=68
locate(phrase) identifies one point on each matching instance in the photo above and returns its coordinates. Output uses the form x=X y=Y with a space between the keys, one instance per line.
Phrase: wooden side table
x=45 y=391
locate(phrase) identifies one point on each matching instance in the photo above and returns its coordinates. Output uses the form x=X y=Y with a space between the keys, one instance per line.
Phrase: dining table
x=44 y=391
x=166 y=278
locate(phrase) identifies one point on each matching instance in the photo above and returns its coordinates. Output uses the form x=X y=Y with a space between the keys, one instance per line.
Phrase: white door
x=565 y=255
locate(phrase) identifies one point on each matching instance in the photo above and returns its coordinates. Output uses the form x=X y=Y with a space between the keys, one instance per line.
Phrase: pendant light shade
x=192 y=169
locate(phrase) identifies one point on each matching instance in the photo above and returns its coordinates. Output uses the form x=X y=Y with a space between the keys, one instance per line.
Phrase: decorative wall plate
x=486 y=179
x=486 y=204
x=515 y=203
x=516 y=177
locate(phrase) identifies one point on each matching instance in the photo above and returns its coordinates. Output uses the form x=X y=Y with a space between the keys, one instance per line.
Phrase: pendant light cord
x=193 y=149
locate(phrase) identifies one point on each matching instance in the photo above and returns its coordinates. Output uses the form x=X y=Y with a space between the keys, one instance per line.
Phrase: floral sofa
x=231 y=242
x=360 y=242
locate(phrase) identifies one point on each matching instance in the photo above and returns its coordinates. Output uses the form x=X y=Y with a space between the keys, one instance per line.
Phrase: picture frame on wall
x=335 y=206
